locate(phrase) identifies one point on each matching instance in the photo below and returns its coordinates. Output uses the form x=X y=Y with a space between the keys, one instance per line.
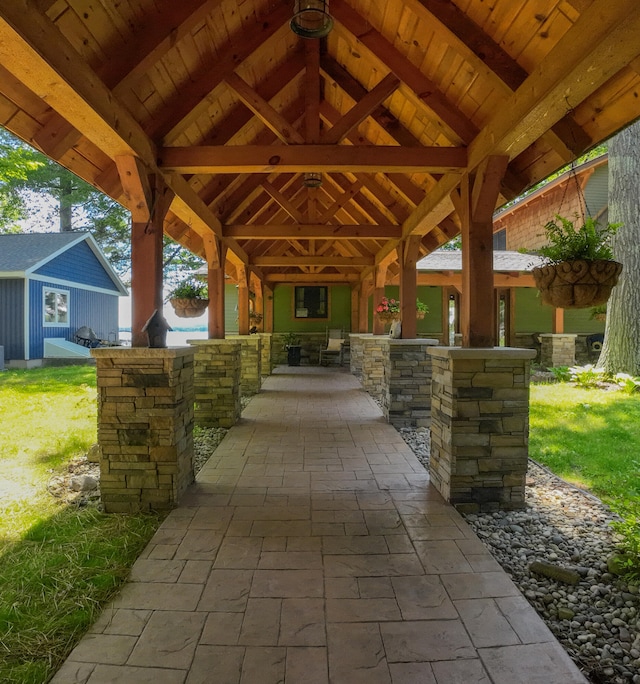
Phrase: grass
x=591 y=437
x=59 y=564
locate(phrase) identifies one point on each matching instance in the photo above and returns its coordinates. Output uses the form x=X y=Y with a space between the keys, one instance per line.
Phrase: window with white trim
x=56 y=307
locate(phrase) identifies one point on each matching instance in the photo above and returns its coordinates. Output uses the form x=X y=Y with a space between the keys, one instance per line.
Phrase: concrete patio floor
x=313 y=549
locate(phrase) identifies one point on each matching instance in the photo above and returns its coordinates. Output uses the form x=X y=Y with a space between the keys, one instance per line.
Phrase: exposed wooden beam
x=34 y=51
x=301 y=158
x=192 y=97
x=297 y=260
x=315 y=278
x=381 y=115
x=312 y=91
x=454 y=123
x=264 y=111
x=344 y=198
x=360 y=111
x=569 y=73
x=283 y=202
x=137 y=188
x=313 y=232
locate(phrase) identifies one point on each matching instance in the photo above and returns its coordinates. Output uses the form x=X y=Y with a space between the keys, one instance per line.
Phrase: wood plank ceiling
x=231 y=108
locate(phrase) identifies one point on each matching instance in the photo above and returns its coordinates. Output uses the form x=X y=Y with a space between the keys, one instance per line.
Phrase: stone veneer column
x=266 y=366
x=250 y=363
x=480 y=426
x=145 y=426
x=373 y=355
x=557 y=349
x=406 y=396
x=356 y=352
x=217 y=382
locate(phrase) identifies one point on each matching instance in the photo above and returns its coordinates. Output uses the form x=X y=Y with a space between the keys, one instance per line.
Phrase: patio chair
x=334 y=348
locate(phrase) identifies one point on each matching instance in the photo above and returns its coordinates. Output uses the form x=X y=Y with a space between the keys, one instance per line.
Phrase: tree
x=621 y=350
x=27 y=176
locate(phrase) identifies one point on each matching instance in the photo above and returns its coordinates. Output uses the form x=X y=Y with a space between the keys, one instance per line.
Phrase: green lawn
x=591 y=437
x=59 y=564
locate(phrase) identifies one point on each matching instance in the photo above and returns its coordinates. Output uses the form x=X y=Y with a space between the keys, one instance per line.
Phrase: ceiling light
x=311 y=18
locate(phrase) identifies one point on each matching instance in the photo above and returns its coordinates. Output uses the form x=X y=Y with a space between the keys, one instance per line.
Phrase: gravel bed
x=597 y=620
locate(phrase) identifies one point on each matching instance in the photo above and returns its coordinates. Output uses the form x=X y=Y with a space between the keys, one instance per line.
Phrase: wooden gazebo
x=342 y=158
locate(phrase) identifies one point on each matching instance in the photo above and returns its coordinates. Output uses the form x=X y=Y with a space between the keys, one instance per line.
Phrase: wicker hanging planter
x=420 y=315
x=189 y=307
x=577 y=284
x=388 y=317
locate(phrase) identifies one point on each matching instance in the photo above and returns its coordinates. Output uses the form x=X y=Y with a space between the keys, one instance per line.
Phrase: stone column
x=557 y=349
x=373 y=354
x=480 y=426
x=356 y=345
x=250 y=364
x=266 y=364
x=407 y=382
x=217 y=382
x=145 y=426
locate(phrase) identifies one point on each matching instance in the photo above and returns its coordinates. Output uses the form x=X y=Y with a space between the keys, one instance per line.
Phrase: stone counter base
x=480 y=426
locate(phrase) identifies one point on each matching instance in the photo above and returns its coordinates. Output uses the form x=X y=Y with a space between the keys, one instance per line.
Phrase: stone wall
x=375 y=348
x=265 y=362
x=356 y=344
x=217 y=382
x=250 y=363
x=557 y=350
x=406 y=397
x=480 y=426
x=145 y=426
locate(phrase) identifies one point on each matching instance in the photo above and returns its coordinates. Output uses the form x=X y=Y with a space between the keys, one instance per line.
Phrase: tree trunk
x=66 y=205
x=621 y=350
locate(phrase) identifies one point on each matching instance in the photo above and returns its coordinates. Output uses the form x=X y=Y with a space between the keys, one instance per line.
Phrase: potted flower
x=421 y=309
x=579 y=270
x=598 y=313
x=189 y=298
x=388 y=310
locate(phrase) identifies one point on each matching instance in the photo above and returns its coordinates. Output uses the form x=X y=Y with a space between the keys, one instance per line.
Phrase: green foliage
x=561 y=373
x=566 y=243
x=59 y=564
x=592 y=438
x=587 y=376
x=189 y=289
x=628 y=529
x=421 y=307
x=597 y=311
x=627 y=382
x=290 y=340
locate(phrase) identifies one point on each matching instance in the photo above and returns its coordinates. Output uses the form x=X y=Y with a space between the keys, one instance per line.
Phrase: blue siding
x=12 y=318
x=79 y=265
x=94 y=309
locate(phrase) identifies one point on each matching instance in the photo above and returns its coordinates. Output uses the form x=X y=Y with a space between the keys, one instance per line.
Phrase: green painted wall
x=533 y=316
x=339 y=311
x=230 y=309
x=431 y=296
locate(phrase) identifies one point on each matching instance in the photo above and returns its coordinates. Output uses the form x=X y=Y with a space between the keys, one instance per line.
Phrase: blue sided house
x=53 y=285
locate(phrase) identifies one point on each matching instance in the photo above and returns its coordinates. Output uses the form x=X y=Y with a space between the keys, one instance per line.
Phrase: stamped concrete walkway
x=313 y=549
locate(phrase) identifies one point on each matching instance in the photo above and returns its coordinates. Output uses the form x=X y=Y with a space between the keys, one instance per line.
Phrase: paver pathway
x=313 y=549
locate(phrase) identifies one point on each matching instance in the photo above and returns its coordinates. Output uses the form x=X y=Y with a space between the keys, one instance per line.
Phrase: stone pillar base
x=250 y=363
x=557 y=349
x=217 y=382
x=406 y=394
x=356 y=352
x=145 y=426
x=480 y=426
x=374 y=351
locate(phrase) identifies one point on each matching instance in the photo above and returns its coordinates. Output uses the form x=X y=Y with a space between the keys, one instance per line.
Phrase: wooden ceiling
x=225 y=103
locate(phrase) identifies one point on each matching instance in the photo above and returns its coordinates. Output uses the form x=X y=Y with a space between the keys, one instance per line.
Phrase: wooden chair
x=334 y=348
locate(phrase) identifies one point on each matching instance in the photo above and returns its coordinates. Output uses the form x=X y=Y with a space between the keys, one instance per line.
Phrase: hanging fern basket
x=189 y=307
x=577 y=284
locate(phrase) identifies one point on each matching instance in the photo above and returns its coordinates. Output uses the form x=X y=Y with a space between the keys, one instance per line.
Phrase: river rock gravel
x=598 y=619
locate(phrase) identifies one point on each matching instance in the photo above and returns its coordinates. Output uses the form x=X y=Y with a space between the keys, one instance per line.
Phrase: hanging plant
x=421 y=309
x=579 y=271
x=189 y=299
x=388 y=310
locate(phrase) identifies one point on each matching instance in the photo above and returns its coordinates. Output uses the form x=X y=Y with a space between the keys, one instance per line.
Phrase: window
x=56 y=307
x=311 y=302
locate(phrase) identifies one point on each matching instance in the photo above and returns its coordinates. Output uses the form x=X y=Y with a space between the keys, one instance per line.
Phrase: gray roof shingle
x=22 y=251
x=451 y=260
